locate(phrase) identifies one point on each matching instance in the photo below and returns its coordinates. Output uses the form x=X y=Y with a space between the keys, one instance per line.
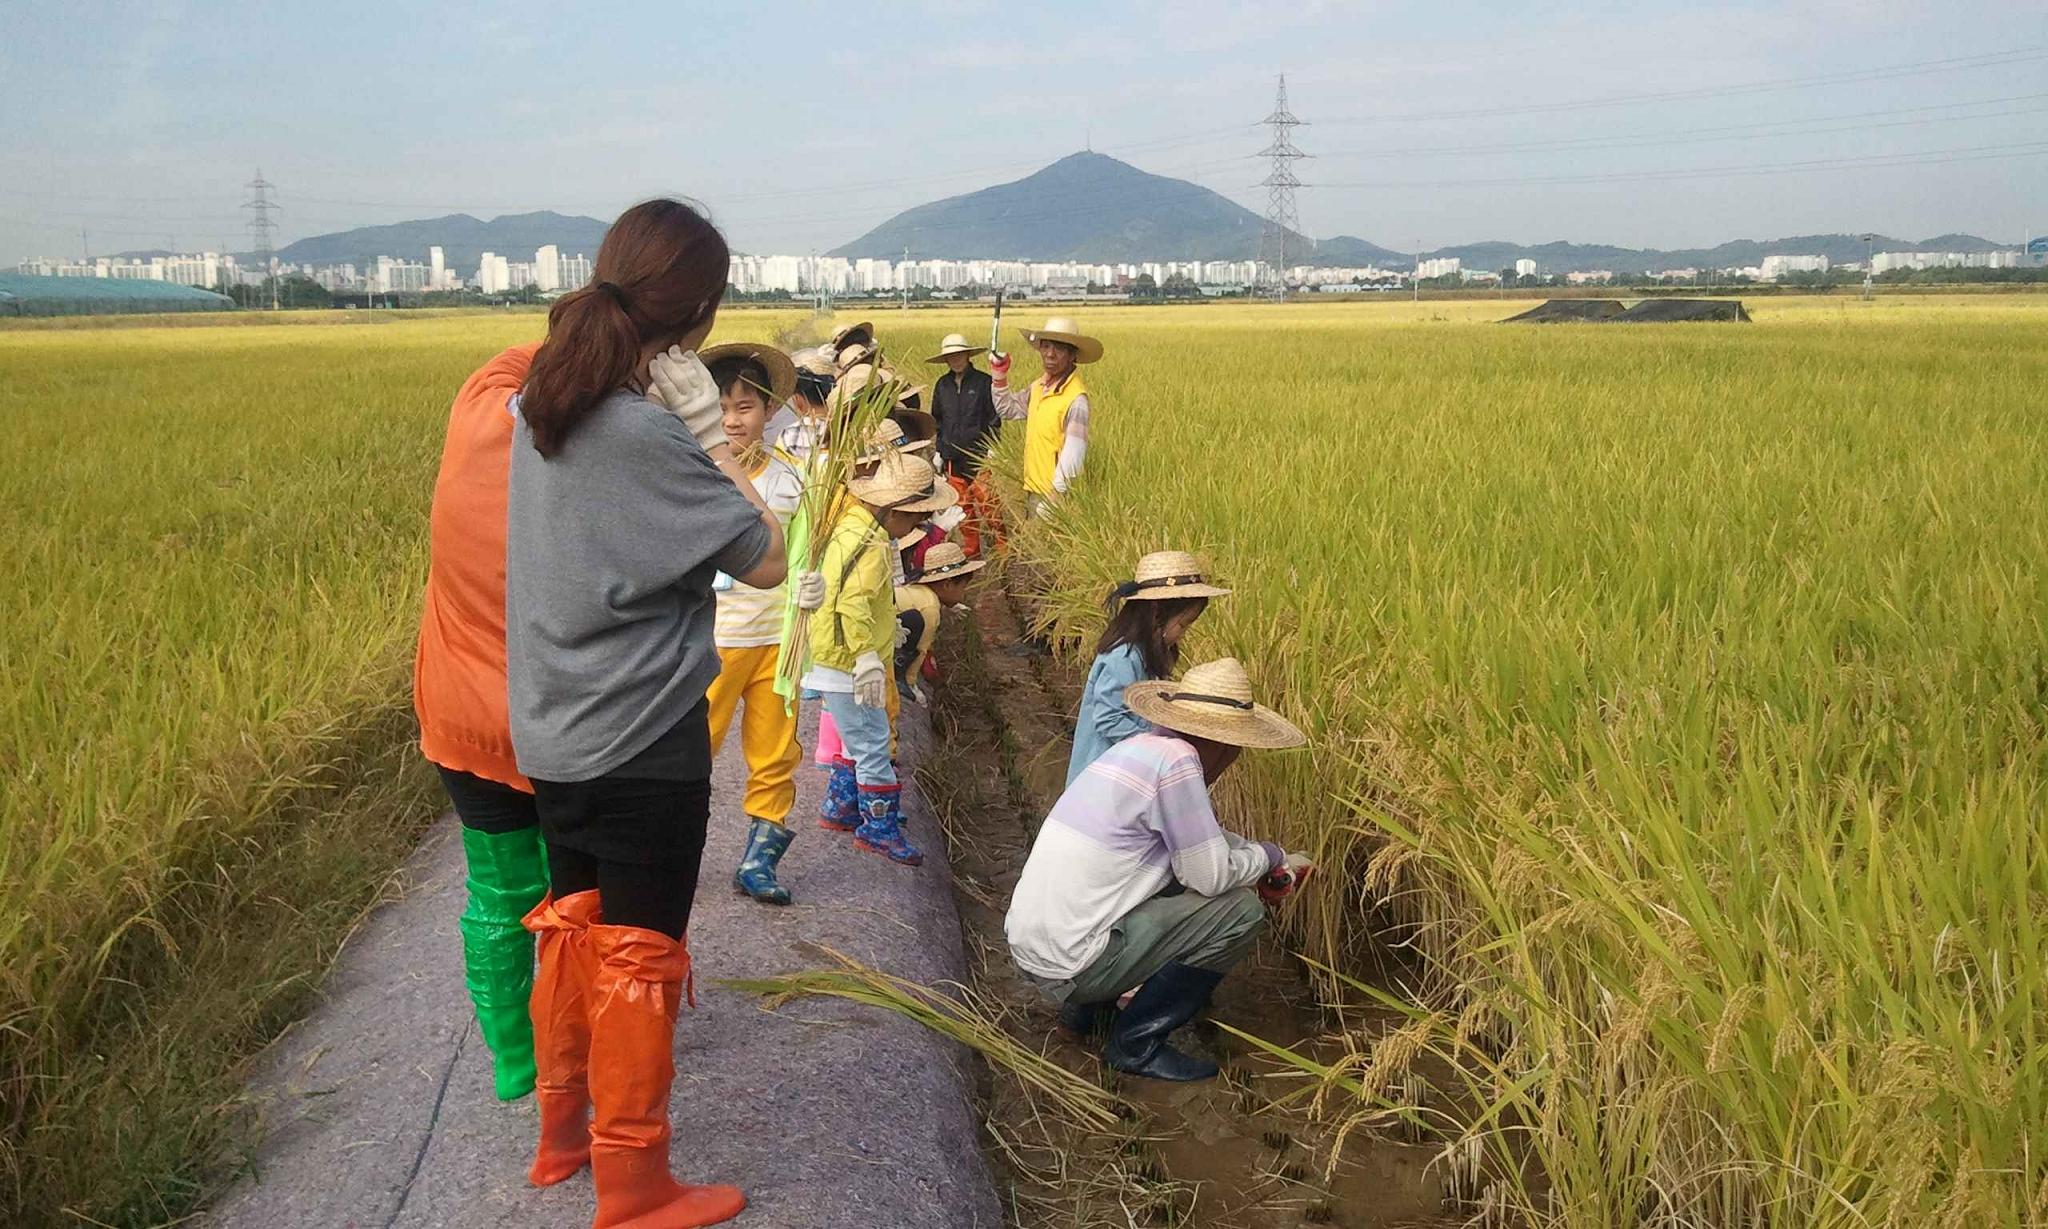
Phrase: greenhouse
x=22 y=294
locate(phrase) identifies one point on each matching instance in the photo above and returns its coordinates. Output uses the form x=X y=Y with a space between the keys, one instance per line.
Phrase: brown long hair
x=660 y=272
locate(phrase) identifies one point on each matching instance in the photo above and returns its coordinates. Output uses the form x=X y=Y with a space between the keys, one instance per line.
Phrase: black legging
x=637 y=841
x=485 y=805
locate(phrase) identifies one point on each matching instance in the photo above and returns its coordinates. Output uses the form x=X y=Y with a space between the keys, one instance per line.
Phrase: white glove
x=949 y=518
x=902 y=634
x=919 y=694
x=870 y=684
x=1295 y=863
x=810 y=590
x=683 y=383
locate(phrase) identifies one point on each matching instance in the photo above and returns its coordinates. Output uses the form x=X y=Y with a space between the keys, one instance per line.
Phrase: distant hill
x=1092 y=207
x=1086 y=206
x=462 y=238
x=1560 y=257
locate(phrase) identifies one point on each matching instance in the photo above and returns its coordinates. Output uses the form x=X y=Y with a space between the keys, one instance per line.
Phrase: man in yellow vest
x=1054 y=408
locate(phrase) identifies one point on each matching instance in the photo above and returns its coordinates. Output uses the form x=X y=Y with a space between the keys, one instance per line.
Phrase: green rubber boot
x=507 y=878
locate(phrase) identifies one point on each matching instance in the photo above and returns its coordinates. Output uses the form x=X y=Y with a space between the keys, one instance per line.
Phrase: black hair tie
x=618 y=295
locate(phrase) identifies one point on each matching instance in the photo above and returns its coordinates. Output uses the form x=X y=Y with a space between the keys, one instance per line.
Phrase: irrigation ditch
x=1244 y=1151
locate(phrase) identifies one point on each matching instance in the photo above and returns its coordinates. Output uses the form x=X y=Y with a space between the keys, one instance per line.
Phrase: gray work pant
x=1209 y=932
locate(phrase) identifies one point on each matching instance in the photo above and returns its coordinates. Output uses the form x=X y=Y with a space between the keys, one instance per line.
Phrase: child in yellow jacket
x=851 y=633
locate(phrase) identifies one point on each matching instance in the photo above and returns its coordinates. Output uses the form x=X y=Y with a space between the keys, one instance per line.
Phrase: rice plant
x=1676 y=694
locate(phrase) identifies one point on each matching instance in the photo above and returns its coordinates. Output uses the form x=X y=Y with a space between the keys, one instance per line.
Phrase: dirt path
x=378 y=1110
x=1215 y=1156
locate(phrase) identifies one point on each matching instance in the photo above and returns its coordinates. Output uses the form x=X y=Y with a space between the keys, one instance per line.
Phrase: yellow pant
x=767 y=731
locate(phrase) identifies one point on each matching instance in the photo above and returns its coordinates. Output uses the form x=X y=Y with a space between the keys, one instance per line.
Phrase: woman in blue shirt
x=1161 y=601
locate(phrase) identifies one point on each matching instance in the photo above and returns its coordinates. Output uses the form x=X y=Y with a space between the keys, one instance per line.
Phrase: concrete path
x=378 y=1107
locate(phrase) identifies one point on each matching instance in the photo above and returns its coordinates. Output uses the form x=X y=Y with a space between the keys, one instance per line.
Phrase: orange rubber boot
x=561 y=1033
x=633 y=1010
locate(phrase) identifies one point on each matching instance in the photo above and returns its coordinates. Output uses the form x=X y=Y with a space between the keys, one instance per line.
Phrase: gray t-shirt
x=611 y=548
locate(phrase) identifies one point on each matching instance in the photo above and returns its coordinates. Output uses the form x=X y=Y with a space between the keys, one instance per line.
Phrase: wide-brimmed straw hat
x=1060 y=328
x=840 y=334
x=945 y=561
x=955 y=343
x=1165 y=574
x=904 y=483
x=1213 y=701
x=889 y=436
x=817 y=360
x=780 y=367
x=855 y=355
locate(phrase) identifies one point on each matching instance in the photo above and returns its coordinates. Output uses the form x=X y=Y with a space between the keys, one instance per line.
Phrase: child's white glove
x=810 y=590
x=902 y=634
x=870 y=683
x=681 y=381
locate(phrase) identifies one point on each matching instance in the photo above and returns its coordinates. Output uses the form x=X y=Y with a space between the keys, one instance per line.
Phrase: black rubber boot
x=1167 y=1000
x=1086 y=1021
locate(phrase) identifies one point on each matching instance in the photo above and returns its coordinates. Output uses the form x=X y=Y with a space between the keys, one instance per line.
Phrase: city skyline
x=1673 y=126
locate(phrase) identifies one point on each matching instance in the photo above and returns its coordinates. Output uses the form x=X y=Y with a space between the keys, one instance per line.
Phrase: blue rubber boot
x=766 y=844
x=840 y=810
x=881 y=829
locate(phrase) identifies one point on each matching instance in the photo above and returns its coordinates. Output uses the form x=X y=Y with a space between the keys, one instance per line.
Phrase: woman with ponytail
x=1149 y=614
x=624 y=503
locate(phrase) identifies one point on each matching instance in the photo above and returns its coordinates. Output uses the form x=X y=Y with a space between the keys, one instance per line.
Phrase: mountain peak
x=1085 y=206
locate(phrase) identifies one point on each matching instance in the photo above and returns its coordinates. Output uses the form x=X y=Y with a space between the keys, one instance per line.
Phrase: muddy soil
x=1235 y=1153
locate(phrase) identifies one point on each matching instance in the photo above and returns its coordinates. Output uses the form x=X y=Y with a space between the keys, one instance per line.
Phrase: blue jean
x=865 y=731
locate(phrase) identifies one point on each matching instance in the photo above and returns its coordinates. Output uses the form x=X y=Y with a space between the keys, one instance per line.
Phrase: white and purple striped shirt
x=1136 y=820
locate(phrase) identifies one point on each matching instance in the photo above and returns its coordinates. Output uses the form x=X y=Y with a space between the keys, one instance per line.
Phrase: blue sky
x=802 y=125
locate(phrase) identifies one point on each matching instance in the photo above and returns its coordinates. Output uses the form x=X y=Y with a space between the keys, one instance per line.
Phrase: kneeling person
x=1088 y=922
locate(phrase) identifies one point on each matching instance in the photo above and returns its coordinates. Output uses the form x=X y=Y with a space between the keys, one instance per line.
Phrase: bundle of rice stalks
x=970 y=1019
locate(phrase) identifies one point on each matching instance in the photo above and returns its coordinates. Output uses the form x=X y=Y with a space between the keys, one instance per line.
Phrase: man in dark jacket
x=963 y=400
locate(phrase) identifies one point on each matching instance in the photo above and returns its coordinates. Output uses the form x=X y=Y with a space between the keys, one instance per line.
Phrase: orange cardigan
x=458 y=679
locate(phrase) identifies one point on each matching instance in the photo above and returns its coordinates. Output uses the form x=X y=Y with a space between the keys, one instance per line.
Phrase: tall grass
x=1676 y=692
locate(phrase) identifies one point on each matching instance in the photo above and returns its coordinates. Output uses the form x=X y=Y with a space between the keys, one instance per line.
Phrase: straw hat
x=947 y=560
x=1167 y=574
x=1060 y=328
x=817 y=360
x=781 y=370
x=917 y=424
x=855 y=355
x=1213 y=701
x=955 y=343
x=903 y=483
x=889 y=436
x=844 y=331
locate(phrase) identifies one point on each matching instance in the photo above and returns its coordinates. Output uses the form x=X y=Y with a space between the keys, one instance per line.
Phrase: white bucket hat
x=955 y=343
x=1213 y=701
x=1060 y=328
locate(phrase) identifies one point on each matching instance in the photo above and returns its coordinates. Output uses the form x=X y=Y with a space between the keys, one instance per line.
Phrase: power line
x=1970 y=153
x=1993 y=59
x=1762 y=130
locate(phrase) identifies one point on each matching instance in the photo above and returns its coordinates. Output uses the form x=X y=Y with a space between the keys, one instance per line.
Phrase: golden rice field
x=1677 y=690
